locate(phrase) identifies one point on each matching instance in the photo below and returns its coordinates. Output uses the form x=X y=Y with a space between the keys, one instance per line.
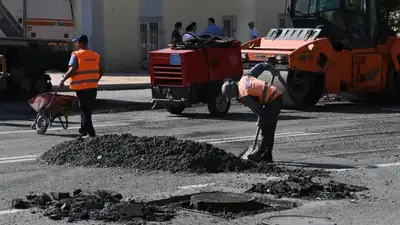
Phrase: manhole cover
x=224 y=202
x=296 y=220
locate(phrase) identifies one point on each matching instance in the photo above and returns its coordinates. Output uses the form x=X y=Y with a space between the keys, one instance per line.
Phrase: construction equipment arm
x=258 y=69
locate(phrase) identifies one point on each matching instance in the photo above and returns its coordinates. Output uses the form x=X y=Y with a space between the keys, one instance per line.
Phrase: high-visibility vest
x=251 y=86
x=88 y=73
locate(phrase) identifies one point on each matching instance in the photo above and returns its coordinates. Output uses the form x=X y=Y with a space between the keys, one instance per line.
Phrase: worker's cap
x=81 y=38
x=229 y=89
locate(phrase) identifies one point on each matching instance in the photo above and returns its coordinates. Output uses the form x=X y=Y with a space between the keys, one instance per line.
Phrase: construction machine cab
x=352 y=24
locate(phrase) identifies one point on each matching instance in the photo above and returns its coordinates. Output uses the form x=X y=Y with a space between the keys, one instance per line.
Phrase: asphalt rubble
x=159 y=153
x=100 y=205
x=308 y=188
x=165 y=153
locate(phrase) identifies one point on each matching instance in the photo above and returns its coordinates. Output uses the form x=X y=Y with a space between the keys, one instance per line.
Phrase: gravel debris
x=304 y=187
x=332 y=98
x=165 y=153
x=101 y=205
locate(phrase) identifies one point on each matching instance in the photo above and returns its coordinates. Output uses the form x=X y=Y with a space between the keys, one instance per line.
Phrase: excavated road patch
x=224 y=204
x=304 y=187
x=100 y=205
x=164 y=153
x=108 y=206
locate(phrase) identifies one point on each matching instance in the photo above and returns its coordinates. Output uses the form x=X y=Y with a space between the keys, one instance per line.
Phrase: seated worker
x=191 y=31
x=255 y=94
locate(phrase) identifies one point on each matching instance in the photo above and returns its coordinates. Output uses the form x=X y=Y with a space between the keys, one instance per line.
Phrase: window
x=151 y=35
x=229 y=26
x=143 y=40
x=306 y=7
x=284 y=21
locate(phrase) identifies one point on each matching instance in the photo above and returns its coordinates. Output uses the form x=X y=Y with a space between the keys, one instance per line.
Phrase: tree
x=390 y=9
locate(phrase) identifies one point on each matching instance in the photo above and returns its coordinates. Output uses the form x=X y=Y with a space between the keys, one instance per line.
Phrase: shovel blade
x=244 y=155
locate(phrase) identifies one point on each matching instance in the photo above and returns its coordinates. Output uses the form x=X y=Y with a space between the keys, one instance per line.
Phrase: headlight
x=244 y=56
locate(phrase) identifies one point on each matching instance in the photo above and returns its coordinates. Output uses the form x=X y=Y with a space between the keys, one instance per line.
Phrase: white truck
x=35 y=36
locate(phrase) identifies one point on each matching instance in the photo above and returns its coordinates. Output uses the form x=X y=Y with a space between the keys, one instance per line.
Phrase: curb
x=111 y=87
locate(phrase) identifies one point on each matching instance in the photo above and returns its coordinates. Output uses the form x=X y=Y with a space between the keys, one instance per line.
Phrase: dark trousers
x=86 y=101
x=268 y=120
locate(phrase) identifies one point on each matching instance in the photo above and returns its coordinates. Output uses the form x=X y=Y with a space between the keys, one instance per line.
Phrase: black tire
x=175 y=109
x=42 y=124
x=306 y=95
x=215 y=108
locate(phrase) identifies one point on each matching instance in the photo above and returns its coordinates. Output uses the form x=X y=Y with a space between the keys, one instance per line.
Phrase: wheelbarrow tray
x=50 y=106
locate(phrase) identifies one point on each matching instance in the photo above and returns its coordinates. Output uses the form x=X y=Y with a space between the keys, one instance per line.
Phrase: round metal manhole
x=224 y=202
x=296 y=220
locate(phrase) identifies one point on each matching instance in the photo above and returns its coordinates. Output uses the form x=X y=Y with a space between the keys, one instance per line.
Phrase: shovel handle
x=256 y=138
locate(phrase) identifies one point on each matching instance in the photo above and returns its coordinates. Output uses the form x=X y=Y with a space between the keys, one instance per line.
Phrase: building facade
x=125 y=31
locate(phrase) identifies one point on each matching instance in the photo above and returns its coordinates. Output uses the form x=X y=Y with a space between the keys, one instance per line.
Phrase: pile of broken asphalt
x=100 y=205
x=307 y=187
x=162 y=153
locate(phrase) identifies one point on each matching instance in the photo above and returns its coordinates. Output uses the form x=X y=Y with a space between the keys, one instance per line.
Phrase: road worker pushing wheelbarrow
x=85 y=71
x=265 y=101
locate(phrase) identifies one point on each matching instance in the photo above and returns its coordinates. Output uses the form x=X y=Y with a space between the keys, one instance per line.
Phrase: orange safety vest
x=88 y=73
x=251 y=86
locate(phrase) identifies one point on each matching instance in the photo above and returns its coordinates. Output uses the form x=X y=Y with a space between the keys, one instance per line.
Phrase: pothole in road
x=225 y=204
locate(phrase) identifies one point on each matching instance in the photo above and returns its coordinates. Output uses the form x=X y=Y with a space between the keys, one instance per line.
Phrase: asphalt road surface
x=359 y=144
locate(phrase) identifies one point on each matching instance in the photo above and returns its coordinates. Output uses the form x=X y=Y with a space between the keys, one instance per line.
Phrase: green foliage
x=392 y=9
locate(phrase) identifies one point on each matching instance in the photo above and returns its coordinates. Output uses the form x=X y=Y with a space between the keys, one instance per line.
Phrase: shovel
x=253 y=148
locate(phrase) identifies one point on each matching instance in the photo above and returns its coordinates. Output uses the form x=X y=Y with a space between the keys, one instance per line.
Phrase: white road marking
x=248 y=138
x=359 y=152
x=196 y=186
x=11 y=211
x=60 y=128
x=18 y=157
x=18 y=160
x=233 y=138
x=372 y=166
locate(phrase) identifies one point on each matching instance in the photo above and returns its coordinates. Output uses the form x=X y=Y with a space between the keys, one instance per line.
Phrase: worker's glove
x=61 y=84
x=4 y=74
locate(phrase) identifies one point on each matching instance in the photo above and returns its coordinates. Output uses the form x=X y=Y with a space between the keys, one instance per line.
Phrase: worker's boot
x=258 y=155
x=267 y=156
x=82 y=132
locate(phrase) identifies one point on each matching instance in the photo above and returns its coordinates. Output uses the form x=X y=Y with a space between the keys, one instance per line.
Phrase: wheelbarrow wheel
x=42 y=124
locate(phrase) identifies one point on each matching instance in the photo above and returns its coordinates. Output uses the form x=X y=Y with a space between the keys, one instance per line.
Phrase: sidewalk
x=110 y=81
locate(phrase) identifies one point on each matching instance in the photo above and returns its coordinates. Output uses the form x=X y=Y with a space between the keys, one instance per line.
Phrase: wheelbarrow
x=50 y=106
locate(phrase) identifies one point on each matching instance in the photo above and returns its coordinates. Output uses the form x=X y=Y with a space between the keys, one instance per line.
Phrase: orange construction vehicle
x=336 y=46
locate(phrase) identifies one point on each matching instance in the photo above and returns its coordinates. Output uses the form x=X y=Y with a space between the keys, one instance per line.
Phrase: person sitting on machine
x=190 y=32
x=256 y=94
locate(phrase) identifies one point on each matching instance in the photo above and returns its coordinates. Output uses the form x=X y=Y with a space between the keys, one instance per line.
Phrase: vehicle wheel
x=175 y=109
x=42 y=124
x=305 y=88
x=219 y=105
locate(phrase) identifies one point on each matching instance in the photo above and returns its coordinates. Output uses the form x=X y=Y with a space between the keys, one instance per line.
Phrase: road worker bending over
x=264 y=100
